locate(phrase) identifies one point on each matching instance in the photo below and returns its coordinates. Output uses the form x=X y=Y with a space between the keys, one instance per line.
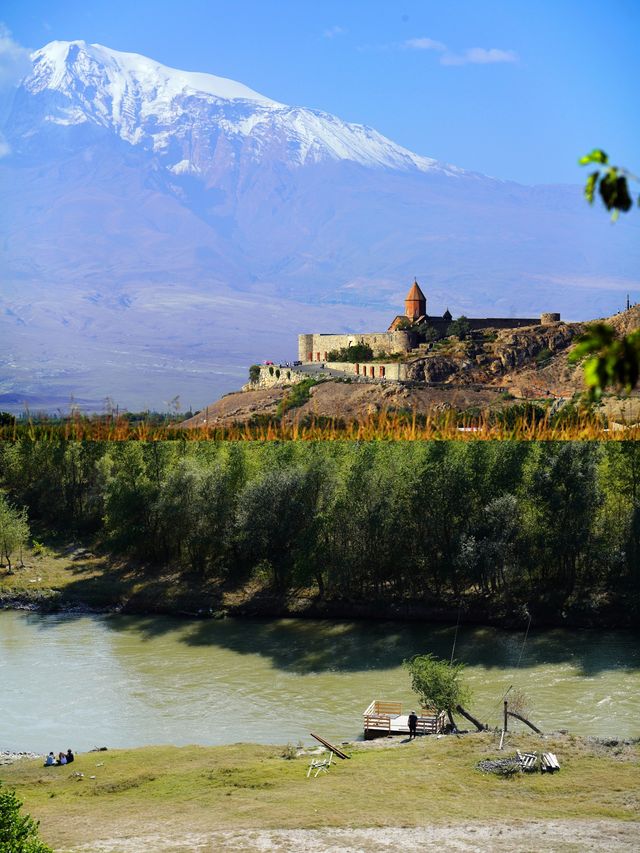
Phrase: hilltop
x=491 y=370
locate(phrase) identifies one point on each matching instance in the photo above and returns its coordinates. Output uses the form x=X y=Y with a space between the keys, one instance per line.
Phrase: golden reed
x=381 y=426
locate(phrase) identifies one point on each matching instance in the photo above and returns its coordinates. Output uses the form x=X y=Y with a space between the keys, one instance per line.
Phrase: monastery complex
x=401 y=338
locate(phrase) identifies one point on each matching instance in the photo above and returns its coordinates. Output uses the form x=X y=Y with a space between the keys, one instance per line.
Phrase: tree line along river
x=122 y=681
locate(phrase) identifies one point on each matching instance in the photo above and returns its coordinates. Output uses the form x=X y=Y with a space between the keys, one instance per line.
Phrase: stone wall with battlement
x=317 y=347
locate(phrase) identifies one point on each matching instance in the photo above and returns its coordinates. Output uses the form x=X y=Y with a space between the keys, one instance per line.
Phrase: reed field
x=526 y=422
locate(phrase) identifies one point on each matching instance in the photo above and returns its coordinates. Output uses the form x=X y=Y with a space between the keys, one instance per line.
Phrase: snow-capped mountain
x=163 y=229
x=185 y=115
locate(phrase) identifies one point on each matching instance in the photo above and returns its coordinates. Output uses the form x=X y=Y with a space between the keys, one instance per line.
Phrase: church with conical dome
x=415 y=310
x=405 y=333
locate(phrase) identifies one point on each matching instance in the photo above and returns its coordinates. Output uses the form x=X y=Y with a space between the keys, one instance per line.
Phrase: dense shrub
x=354 y=354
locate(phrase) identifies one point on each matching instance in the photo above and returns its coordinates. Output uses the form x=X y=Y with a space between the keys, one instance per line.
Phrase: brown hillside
x=626 y=322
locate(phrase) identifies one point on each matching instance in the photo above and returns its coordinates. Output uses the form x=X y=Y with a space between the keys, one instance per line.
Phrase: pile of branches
x=501 y=766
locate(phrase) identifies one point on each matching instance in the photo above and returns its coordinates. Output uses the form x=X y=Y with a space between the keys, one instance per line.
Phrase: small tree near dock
x=437 y=683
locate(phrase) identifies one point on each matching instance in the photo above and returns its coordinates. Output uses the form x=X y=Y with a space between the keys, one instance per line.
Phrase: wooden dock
x=387 y=718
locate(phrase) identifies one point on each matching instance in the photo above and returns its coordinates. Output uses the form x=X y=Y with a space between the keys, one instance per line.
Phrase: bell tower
x=415 y=303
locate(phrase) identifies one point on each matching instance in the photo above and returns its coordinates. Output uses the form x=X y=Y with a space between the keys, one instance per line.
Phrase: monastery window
x=382 y=371
x=309 y=356
x=325 y=356
x=357 y=370
x=372 y=371
x=318 y=356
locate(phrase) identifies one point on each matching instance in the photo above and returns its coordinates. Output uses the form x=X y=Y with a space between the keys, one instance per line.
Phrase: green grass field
x=170 y=790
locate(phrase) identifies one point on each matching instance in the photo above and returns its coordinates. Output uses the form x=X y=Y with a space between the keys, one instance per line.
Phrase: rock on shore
x=9 y=757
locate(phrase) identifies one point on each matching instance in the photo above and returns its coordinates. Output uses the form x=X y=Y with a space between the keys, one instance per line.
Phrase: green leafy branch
x=611 y=183
x=610 y=361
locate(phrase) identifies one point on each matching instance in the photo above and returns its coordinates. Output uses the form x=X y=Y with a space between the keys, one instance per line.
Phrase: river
x=81 y=681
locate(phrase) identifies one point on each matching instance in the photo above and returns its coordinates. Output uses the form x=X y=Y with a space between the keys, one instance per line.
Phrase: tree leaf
x=595 y=156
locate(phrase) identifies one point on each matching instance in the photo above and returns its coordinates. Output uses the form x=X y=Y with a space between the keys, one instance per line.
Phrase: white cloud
x=334 y=31
x=479 y=56
x=14 y=60
x=424 y=44
x=471 y=56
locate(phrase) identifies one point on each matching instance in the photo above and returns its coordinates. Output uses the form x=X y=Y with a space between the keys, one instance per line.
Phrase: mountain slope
x=163 y=229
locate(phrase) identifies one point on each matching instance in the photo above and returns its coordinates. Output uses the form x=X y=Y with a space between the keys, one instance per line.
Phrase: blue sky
x=510 y=88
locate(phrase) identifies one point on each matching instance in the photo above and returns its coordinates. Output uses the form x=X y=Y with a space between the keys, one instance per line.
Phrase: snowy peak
x=199 y=123
x=59 y=63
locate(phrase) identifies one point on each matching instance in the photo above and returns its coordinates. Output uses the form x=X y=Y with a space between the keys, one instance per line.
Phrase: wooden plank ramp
x=330 y=746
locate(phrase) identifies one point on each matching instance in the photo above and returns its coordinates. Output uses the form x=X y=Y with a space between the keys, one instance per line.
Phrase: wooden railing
x=430 y=722
x=378 y=707
x=378 y=715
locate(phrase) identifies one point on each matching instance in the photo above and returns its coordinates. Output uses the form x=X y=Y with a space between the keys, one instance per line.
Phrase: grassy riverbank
x=170 y=792
x=68 y=575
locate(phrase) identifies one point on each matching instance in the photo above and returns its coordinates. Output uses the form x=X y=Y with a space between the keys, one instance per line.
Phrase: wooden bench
x=549 y=763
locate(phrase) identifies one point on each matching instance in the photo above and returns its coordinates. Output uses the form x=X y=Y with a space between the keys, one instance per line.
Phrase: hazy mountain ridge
x=147 y=210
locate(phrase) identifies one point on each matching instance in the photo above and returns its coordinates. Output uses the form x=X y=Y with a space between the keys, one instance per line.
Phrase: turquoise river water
x=84 y=681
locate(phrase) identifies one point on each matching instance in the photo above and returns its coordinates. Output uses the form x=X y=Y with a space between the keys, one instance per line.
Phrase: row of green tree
x=526 y=520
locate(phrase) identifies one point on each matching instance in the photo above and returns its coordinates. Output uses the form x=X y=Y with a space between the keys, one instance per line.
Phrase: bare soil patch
x=558 y=836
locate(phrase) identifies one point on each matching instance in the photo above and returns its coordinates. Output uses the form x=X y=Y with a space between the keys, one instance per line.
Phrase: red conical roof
x=415 y=293
x=415 y=304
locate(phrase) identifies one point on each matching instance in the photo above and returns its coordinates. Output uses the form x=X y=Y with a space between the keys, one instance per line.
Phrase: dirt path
x=552 y=836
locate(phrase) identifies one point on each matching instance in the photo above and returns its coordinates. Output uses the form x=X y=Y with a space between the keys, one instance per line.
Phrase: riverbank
x=77 y=577
x=250 y=797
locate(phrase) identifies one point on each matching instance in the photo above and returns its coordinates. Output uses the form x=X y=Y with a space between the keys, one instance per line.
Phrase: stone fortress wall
x=316 y=347
x=275 y=376
x=392 y=371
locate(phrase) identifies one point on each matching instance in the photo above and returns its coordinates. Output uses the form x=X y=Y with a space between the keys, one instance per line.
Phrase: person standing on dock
x=413 y=724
